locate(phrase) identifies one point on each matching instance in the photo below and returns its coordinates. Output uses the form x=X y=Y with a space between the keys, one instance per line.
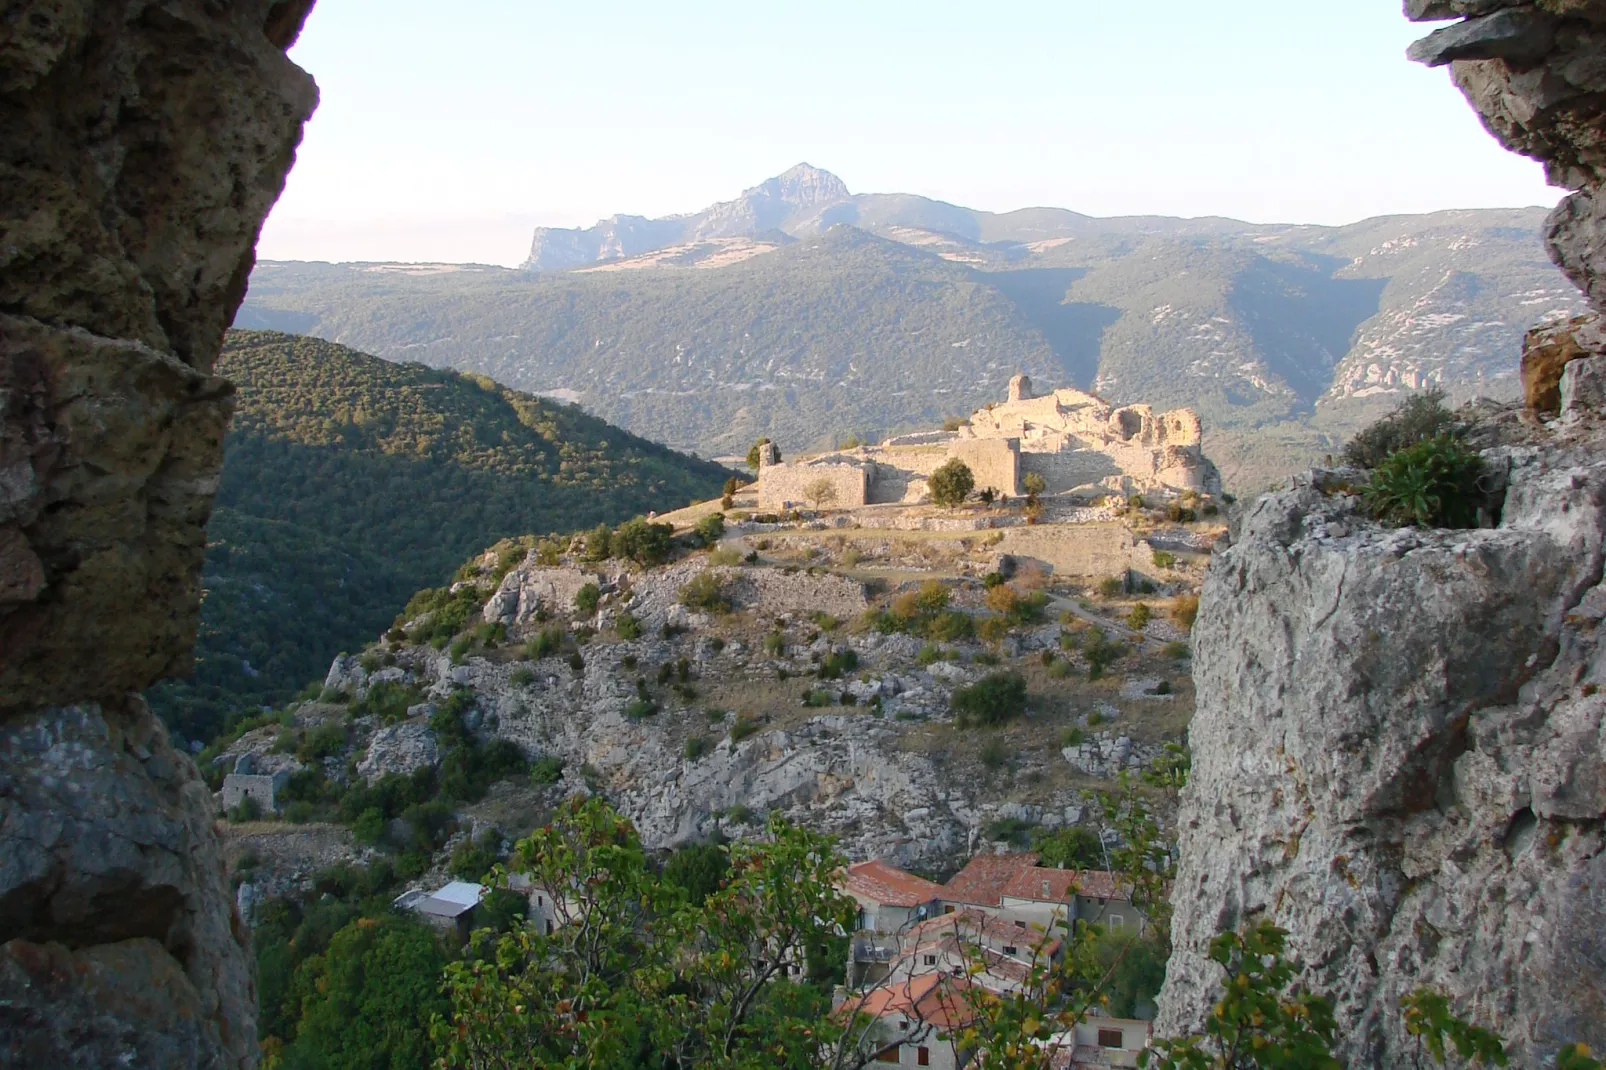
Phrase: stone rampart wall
x=995 y=462
x=783 y=485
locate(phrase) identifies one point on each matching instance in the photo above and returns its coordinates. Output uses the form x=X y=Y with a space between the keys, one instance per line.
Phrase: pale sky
x=446 y=132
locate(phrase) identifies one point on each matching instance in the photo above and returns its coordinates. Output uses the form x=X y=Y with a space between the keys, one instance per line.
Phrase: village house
x=451 y=907
x=1101 y=1042
x=913 y=1022
x=889 y=899
x=992 y=952
x=1014 y=886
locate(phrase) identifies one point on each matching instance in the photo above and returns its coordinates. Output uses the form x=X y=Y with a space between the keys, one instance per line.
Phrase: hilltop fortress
x=1076 y=441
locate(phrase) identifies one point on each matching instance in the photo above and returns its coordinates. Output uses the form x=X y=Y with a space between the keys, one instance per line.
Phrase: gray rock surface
x=113 y=900
x=141 y=146
x=400 y=748
x=1398 y=753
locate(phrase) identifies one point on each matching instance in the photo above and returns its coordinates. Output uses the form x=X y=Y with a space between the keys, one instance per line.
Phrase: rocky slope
x=699 y=723
x=140 y=154
x=1398 y=748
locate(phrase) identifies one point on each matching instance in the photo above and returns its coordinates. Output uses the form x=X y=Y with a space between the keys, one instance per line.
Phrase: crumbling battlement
x=1072 y=439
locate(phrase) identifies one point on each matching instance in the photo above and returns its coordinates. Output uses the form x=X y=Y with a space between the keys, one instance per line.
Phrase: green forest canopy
x=349 y=482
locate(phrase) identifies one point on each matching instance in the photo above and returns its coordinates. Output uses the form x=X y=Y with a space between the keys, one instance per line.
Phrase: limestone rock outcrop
x=141 y=146
x=1398 y=757
x=1399 y=752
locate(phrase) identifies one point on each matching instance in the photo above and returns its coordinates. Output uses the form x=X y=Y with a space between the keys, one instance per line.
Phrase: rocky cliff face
x=1398 y=745
x=141 y=145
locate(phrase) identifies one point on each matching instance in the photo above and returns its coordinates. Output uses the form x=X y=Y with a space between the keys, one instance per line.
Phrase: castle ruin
x=1075 y=440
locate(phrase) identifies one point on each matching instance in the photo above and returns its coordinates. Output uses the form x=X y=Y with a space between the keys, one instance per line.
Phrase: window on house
x=931 y=960
x=1020 y=925
x=948 y=908
x=1009 y=949
x=888 y=1056
x=1110 y=1038
x=922 y=1056
x=903 y=1025
x=1117 y=919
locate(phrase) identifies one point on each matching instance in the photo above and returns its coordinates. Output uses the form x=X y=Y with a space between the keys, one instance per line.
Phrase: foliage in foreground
x=1433 y=484
x=1416 y=419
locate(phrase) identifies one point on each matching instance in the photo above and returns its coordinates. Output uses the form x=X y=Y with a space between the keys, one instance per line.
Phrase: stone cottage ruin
x=1075 y=440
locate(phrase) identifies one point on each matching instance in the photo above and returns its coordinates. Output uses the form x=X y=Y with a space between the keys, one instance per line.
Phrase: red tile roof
x=932 y=997
x=1031 y=939
x=981 y=882
x=888 y=885
x=1056 y=885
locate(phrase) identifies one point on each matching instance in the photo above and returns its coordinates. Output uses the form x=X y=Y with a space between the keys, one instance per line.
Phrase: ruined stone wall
x=141 y=146
x=993 y=462
x=785 y=485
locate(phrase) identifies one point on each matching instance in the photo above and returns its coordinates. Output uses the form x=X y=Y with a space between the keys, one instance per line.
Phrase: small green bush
x=1432 y=484
x=586 y=599
x=1164 y=559
x=705 y=591
x=711 y=528
x=994 y=754
x=644 y=542
x=1071 y=737
x=577 y=663
x=992 y=700
x=951 y=483
x=724 y=555
x=824 y=621
x=992 y=579
x=523 y=676
x=987 y=657
x=819 y=698
x=836 y=664
x=460 y=649
x=774 y=643
x=1416 y=419
x=640 y=708
x=696 y=747
x=545 y=643
x=931 y=653
x=951 y=626
x=745 y=726
x=369 y=826
x=1100 y=652
x=1095 y=719
x=1111 y=587
x=627 y=626
x=387 y=701
x=1140 y=616
x=546 y=770
x=1176 y=650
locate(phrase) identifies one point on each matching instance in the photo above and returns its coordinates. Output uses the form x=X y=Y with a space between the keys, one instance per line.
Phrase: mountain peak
x=804 y=186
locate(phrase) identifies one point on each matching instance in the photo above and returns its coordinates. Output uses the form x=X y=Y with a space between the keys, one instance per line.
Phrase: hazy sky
x=446 y=132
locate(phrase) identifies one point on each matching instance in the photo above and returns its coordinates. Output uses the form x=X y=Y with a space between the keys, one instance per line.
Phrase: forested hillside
x=1286 y=339
x=350 y=482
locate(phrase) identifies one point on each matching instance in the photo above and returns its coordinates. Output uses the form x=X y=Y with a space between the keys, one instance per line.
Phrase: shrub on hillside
x=711 y=528
x=1111 y=587
x=705 y=591
x=642 y=541
x=627 y=626
x=1139 y=617
x=951 y=483
x=1185 y=610
x=1417 y=419
x=992 y=700
x=1100 y=652
x=1432 y=484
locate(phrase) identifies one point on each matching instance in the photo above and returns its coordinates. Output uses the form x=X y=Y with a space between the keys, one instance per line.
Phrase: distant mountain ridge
x=808 y=313
x=806 y=200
